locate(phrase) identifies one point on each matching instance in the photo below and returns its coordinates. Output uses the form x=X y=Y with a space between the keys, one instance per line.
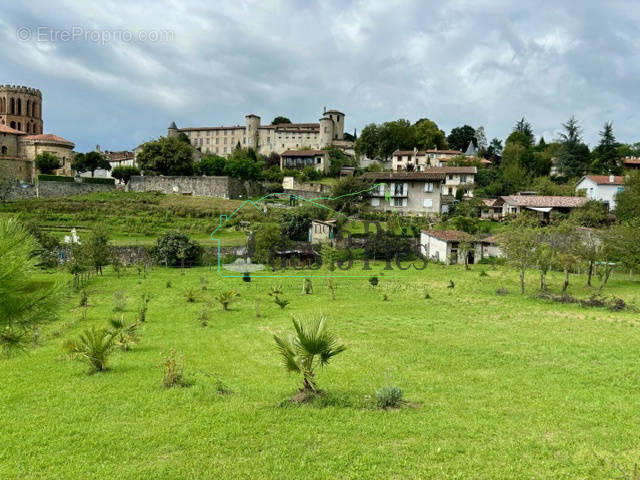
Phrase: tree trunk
x=522 y=282
x=543 y=283
x=590 y=273
x=565 y=285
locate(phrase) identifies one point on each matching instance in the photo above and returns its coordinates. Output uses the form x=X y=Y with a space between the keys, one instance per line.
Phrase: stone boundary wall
x=221 y=187
x=66 y=189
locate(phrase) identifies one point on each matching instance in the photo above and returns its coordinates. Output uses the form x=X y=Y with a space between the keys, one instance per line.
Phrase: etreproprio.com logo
x=285 y=259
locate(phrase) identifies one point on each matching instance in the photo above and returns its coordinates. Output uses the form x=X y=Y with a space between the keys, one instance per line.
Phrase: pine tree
x=606 y=156
x=27 y=299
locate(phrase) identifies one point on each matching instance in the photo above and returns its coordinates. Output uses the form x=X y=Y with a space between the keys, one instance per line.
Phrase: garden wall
x=221 y=187
x=65 y=189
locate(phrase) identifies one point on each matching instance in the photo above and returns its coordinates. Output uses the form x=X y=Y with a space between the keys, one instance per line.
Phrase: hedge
x=54 y=178
x=108 y=181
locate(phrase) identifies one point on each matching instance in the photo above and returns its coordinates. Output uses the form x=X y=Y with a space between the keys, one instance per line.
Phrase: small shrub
x=331 y=285
x=502 y=291
x=618 y=304
x=483 y=273
x=390 y=397
x=258 y=308
x=226 y=298
x=203 y=318
x=281 y=302
x=451 y=284
x=246 y=277
x=594 y=301
x=385 y=297
x=204 y=282
x=84 y=298
x=373 y=281
x=173 y=371
x=92 y=347
x=119 y=301
x=307 y=286
x=191 y=294
x=12 y=341
x=168 y=284
x=425 y=293
x=125 y=336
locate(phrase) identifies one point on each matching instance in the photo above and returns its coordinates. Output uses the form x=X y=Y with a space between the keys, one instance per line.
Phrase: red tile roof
x=606 y=180
x=303 y=153
x=13 y=131
x=119 y=156
x=469 y=170
x=417 y=176
x=422 y=153
x=449 y=235
x=631 y=160
x=545 y=201
x=47 y=138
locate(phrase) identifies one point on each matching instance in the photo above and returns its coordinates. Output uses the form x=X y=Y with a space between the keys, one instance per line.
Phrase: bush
x=373 y=281
x=176 y=249
x=102 y=181
x=389 y=397
x=226 y=298
x=119 y=301
x=173 y=371
x=54 y=178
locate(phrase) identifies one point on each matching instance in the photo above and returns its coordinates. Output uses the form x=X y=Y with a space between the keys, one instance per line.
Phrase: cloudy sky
x=116 y=73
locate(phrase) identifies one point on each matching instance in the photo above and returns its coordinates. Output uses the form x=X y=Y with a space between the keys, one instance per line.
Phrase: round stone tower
x=326 y=131
x=253 y=124
x=337 y=117
x=172 y=131
x=21 y=108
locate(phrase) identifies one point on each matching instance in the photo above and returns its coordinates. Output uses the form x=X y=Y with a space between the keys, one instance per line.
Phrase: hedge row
x=54 y=178
x=60 y=178
x=108 y=181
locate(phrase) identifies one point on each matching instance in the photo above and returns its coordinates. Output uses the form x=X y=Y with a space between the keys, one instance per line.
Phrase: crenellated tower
x=21 y=108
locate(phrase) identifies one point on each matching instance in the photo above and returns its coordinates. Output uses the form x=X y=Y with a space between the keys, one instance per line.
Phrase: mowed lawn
x=498 y=386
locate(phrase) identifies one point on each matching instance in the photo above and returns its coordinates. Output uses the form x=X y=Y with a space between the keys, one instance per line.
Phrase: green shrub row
x=105 y=181
x=53 y=178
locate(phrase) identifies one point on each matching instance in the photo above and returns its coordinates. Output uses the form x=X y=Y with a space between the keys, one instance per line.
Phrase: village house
x=300 y=159
x=631 y=163
x=416 y=193
x=414 y=160
x=322 y=231
x=491 y=211
x=603 y=188
x=457 y=178
x=542 y=204
x=444 y=246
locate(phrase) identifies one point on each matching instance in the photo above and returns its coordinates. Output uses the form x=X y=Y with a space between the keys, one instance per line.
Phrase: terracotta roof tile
x=418 y=176
x=13 y=131
x=606 y=180
x=449 y=235
x=47 y=137
x=545 y=201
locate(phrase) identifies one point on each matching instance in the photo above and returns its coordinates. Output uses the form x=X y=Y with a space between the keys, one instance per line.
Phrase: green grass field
x=498 y=386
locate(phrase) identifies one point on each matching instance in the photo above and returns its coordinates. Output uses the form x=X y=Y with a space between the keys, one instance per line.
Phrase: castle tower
x=21 y=108
x=337 y=118
x=172 y=131
x=253 y=123
x=326 y=131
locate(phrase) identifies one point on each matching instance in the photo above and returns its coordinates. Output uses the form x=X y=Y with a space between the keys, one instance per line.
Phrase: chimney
x=611 y=178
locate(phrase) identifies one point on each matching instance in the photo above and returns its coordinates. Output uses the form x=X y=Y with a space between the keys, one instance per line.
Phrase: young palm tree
x=308 y=347
x=225 y=298
x=93 y=347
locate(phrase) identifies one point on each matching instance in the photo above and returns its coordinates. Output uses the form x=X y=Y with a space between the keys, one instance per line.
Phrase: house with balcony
x=416 y=193
x=414 y=160
x=603 y=188
x=299 y=159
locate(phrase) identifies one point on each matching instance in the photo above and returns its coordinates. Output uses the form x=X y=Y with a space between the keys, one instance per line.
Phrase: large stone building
x=266 y=139
x=21 y=137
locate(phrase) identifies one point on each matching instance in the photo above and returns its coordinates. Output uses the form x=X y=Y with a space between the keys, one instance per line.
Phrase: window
x=375 y=202
x=463 y=179
x=427 y=203
x=399 y=189
x=4 y=150
x=217 y=141
x=428 y=187
x=399 y=202
x=451 y=177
